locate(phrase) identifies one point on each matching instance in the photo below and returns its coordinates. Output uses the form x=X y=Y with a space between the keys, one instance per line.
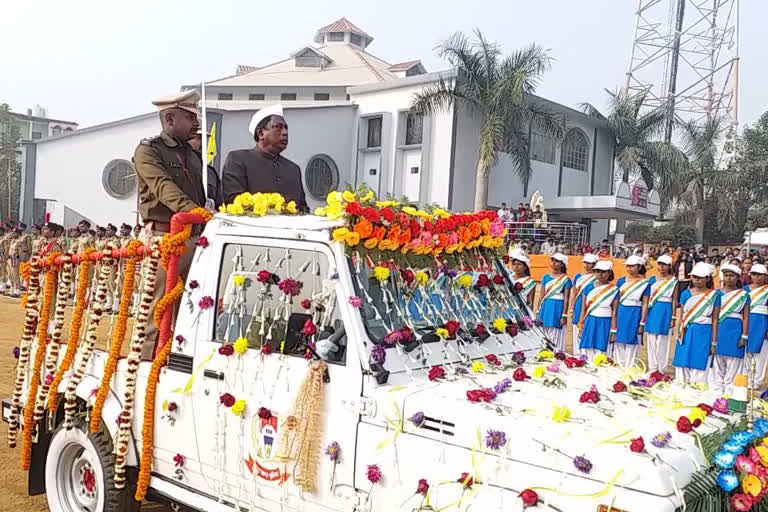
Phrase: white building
x=349 y=122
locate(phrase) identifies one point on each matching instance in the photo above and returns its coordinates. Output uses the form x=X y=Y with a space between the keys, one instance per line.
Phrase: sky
x=94 y=61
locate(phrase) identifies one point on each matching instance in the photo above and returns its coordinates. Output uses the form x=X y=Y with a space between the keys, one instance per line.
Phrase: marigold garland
x=118 y=337
x=28 y=333
x=85 y=350
x=75 y=327
x=51 y=276
x=170 y=245
x=52 y=357
x=138 y=337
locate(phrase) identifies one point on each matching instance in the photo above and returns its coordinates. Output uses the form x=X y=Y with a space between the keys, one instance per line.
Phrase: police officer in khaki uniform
x=170 y=180
x=4 y=242
x=16 y=254
x=101 y=238
x=37 y=238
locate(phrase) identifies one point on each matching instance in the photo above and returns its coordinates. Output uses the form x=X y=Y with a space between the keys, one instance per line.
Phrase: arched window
x=119 y=178
x=321 y=176
x=575 y=150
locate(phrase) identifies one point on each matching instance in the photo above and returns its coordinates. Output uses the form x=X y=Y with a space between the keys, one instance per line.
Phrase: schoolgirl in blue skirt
x=598 y=317
x=580 y=282
x=697 y=330
x=554 y=301
x=662 y=303
x=631 y=313
x=758 y=319
x=732 y=331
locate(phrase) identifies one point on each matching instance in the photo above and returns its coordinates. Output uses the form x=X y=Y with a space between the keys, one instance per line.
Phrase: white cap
x=633 y=260
x=732 y=268
x=758 y=268
x=519 y=255
x=665 y=259
x=272 y=110
x=701 y=269
x=560 y=257
x=604 y=265
x=590 y=258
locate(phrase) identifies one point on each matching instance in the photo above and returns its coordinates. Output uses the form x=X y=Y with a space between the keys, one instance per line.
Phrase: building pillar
x=621 y=229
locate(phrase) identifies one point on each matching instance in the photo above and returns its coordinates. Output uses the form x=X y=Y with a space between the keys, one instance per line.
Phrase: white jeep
x=395 y=422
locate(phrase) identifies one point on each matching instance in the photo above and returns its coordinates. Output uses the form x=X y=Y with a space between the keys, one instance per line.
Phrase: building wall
x=272 y=94
x=68 y=169
x=312 y=131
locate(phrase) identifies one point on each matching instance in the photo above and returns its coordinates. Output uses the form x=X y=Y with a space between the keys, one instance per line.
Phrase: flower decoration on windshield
x=309 y=328
x=442 y=333
x=238 y=280
x=378 y=354
x=478 y=367
x=290 y=287
x=520 y=375
x=495 y=439
x=418 y=419
x=202 y=242
x=518 y=358
x=465 y=280
x=502 y=386
x=482 y=281
x=529 y=498
x=421 y=278
x=240 y=345
x=355 y=302
x=266 y=277
x=226 y=350
x=493 y=359
x=206 y=303
x=436 y=373
x=452 y=326
x=481 y=395
x=512 y=329
x=498 y=279
x=500 y=325
x=637 y=445
x=238 y=408
x=381 y=273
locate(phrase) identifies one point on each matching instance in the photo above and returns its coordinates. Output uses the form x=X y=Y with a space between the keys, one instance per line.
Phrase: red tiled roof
x=343 y=25
x=404 y=66
x=243 y=69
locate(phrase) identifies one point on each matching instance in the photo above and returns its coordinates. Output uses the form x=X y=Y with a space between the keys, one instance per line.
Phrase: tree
x=638 y=150
x=10 y=168
x=496 y=88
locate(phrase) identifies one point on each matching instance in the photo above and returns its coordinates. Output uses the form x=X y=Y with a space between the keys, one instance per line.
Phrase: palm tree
x=495 y=87
x=637 y=133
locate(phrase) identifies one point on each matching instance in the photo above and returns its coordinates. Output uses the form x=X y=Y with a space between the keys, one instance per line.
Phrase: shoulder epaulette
x=149 y=140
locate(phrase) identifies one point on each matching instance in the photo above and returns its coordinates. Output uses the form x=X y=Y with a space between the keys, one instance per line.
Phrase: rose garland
x=138 y=337
x=118 y=336
x=74 y=330
x=51 y=276
x=28 y=333
x=52 y=357
x=170 y=245
x=86 y=349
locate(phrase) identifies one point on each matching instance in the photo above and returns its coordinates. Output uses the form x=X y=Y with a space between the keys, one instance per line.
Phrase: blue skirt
x=596 y=333
x=758 y=325
x=693 y=352
x=551 y=312
x=659 y=318
x=627 y=323
x=728 y=337
x=577 y=308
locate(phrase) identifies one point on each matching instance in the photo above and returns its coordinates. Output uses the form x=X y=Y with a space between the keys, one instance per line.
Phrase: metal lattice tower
x=685 y=53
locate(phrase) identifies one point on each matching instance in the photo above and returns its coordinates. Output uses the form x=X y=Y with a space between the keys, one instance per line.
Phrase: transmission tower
x=685 y=53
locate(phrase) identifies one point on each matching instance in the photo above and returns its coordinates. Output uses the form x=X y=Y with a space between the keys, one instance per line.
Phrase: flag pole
x=204 y=150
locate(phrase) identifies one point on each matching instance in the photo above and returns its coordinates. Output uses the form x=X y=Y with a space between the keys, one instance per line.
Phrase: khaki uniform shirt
x=26 y=249
x=82 y=242
x=47 y=247
x=5 y=243
x=170 y=178
x=37 y=243
x=124 y=241
x=16 y=250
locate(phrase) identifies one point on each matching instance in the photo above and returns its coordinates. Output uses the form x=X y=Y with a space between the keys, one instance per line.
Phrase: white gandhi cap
x=604 y=265
x=733 y=268
x=701 y=269
x=758 y=268
x=590 y=258
x=633 y=260
x=562 y=258
x=272 y=110
x=666 y=259
x=519 y=255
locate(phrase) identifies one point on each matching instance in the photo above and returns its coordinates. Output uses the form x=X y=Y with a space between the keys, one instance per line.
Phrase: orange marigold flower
x=405 y=237
x=363 y=228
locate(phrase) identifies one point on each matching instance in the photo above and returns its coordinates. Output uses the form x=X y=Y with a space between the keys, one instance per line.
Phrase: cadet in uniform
x=16 y=254
x=112 y=235
x=3 y=258
x=101 y=238
x=170 y=180
x=37 y=238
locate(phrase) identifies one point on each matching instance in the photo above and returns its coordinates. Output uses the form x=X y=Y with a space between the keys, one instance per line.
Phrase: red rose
x=387 y=214
x=407 y=276
x=483 y=281
x=706 y=408
x=310 y=329
x=172 y=406
x=684 y=425
x=226 y=350
x=520 y=375
x=403 y=220
x=529 y=497
x=406 y=334
x=371 y=214
x=518 y=288
x=656 y=375
x=696 y=423
x=264 y=275
x=589 y=396
x=202 y=242
x=428 y=226
x=415 y=228
x=354 y=208
x=512 y=330
x=491 y=358
x=466 y=480
x=570 y=362
x=480 y=329
x=637 y=445
x=452 y=326
x=560 y=356
x=619 y=387
x=264 y=413
x=423 y=487
x=436 y=372
x=266 y=349
x=227 y=400
x=480 y=395
x=306 y=303
x=580 y=363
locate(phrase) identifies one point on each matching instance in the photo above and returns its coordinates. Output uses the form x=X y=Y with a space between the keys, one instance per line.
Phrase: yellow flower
x=539 y=371
x=421 y=277
x=245 y=199
x=367 y=196
x=762 y=451
x=320 y=212
x=278 y=207
x=500 y=324
x=260 y=209
x=238 y=409
x=352 y=239
x=478 y=366
x=334 y=197
x=439 y=212
x=560 y=414
x=381 y=273
x=235 y=209
x=165 y=405
x=465 y=280
x=240 y=345
x=697 y=414
x=410 y=210
x=340 y=234
x=291 y=208
x=238 y=280
x=348 y=196
x=751 y=485
x=334 y=211
x=386 y=204
x=546 y=355
x=600 y=359
x=222 y=209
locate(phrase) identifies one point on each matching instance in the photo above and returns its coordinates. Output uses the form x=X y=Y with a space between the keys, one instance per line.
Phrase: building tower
x=685 y=53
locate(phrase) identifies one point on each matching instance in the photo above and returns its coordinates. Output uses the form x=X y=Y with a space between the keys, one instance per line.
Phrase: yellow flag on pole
x=212 y=144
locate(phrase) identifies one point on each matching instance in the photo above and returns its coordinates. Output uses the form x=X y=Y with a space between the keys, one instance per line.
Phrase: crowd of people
x=717 y=333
